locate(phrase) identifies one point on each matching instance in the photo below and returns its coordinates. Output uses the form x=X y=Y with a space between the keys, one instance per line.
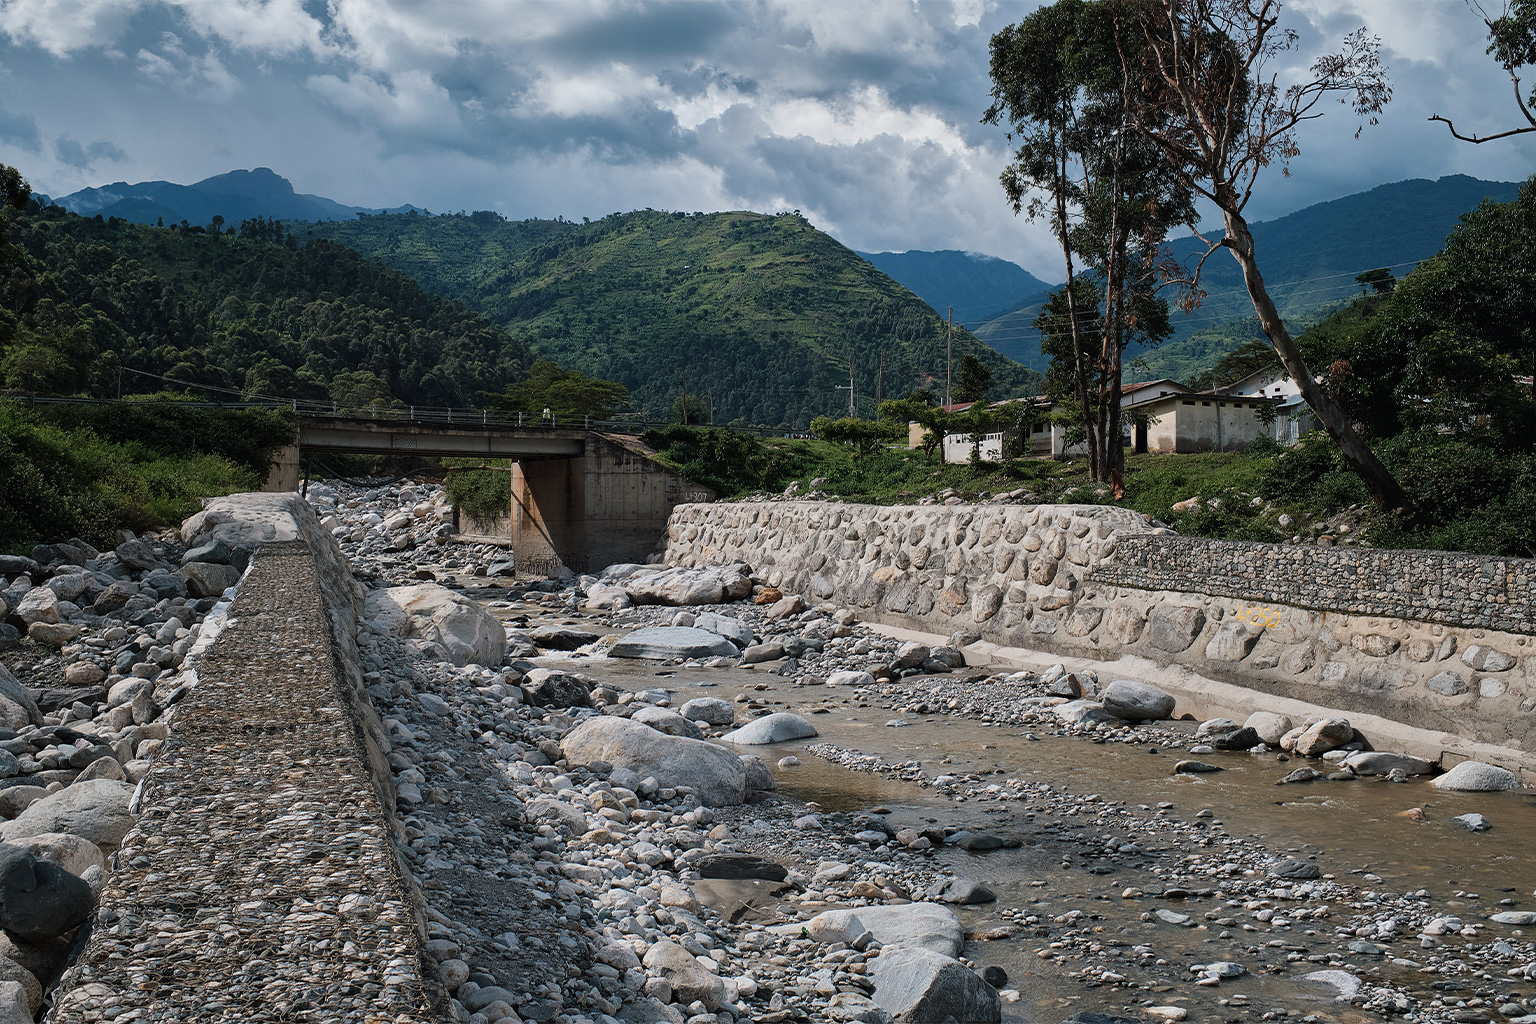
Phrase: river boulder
x=466 y=632
x=667 y=721
x=1477 y=777
x=662 y=643
x=715 y=774
x=709 y=710
x=96 y=810
x=1382 y=762
x=1136 y=702
x=1324 y=735
x=918 y=986
x=714 y=585
x=733 y=629
x=689 y=980
x=549 y=688
x=1269 y=725
x=39 y=899
x=779 y=727
x=926 y=926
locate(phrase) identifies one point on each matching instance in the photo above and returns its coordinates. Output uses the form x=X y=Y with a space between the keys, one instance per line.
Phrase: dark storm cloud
x=20 y=130
x=864 y=114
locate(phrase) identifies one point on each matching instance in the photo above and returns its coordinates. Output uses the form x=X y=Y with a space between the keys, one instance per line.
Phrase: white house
x=1293 y=416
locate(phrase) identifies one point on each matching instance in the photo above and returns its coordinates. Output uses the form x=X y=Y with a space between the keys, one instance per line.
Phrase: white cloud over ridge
x=863 y=113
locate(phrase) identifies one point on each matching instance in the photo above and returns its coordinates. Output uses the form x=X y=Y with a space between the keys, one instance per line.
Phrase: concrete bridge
x=579 y=498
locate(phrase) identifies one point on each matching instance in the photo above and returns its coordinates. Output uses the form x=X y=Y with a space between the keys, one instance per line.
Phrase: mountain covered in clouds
x=976 y=286
x=1309 y=260
x=760 y=315
x=235 y=196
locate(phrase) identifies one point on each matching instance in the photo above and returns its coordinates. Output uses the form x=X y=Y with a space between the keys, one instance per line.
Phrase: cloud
x=63 y=26
x=20 y=130
x=86 y=158
x=863 y=113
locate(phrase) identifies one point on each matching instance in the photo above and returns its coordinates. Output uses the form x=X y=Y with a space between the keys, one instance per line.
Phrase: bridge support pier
x=609 y=505
x=284 y=474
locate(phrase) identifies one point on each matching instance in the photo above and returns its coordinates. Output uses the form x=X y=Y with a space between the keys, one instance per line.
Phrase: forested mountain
x=235 y=196
x=979 y=287
x=1309 y=260
x=248 y=311
x=758 y=315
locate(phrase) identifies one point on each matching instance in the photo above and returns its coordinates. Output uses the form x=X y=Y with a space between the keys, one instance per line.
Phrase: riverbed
x=1078 y=922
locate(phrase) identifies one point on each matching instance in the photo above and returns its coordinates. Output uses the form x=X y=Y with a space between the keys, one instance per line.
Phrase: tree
x=863 y=436
x=1379 y=280
x=567 y=394
x=975 y=380
x=14 y=190
x=936 y=422
x=1512 y=41
x=690 y=409
x=1214 y=106
x=1061 y=84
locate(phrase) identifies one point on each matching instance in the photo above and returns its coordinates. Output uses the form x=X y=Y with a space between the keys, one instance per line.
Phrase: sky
x=862 y=114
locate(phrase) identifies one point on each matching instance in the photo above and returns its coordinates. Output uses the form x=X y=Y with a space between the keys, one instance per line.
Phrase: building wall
x=1204 y=424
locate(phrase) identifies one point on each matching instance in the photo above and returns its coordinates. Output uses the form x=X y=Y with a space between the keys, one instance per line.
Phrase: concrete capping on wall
x=1048 y=578
x=1453 y=589
x=263 y=871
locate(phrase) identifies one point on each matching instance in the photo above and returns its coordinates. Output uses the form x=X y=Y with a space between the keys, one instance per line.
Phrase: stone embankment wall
x=1434 y=641
x=260 y=882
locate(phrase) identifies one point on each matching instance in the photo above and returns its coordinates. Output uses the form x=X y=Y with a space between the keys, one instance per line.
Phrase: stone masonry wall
x=1439 y=642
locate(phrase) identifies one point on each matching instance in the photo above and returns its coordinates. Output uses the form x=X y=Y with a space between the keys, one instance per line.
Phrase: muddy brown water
x=1350 y=828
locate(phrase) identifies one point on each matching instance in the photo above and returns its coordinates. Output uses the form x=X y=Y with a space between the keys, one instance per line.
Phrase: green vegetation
x=485 y=495
x=89 y=471
x=568 y=395
x=757 y=315
x=102 y=307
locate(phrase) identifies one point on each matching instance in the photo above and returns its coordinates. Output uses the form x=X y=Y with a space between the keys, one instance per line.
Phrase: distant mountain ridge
x=1309 y=260
x=235 y=196
x=977 y=286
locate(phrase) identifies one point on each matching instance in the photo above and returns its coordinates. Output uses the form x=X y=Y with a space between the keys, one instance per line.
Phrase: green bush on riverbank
x=88 y=471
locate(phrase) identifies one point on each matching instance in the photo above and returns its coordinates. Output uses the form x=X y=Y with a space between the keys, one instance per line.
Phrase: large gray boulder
x=96 y=809
x=1269 y=725
x=243 y=521
x=548 y=688
x=926 y=926
x=1324 y=735
x=709 y=710
x=662 y=643
x=465 y=631
x=714 y=773
x=690 y=981
x=733 y=629
x=667 y=721
x=690 y=586
x=40 y=604
x=15 y=698
x=1382 y=762
x=918 y=986
x=779 y=727
x=1477 y=777
x=208 y=579
x=39 y=899
x=1136 y=702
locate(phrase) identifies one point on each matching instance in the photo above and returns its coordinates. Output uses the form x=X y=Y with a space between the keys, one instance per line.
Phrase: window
x=1205 y=403
x=1187 y=402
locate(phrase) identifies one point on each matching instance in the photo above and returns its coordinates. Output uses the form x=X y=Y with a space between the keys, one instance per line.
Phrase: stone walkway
x=259 y=883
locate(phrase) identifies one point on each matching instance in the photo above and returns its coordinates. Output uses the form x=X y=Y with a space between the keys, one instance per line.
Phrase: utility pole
x=853 y=408
x=880 y=381
x=685 y=397
x=949 y=356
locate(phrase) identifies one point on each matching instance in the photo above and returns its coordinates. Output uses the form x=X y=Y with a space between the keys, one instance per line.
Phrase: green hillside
x=101 y=306
x=761 y=313
x=1309 y=260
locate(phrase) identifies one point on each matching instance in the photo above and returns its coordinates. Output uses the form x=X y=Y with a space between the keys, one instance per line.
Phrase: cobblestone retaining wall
x=1428 y=586
x=1438 y=642
x=260 y=882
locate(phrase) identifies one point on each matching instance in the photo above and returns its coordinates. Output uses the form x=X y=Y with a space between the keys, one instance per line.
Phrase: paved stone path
x=259 y=883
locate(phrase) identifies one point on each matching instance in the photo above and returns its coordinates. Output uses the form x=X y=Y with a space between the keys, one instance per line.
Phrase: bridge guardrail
x=446 y=415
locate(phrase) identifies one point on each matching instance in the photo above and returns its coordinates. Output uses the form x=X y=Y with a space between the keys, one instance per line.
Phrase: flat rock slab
x=661 y=643
x=714 y=773
x=1477 y=777
x=917 y=925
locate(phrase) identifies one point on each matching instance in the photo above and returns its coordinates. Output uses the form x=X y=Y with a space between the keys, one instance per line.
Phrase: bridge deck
x=372 y=437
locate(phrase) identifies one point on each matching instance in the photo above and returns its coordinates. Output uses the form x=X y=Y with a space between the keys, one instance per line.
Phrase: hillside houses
x=1159 y=417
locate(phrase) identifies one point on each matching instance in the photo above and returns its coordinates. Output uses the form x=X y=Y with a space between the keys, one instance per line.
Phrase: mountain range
x=235 y=196
x=976 y=286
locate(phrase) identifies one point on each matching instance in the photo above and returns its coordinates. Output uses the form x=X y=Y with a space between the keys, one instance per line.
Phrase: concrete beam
x=371 y=437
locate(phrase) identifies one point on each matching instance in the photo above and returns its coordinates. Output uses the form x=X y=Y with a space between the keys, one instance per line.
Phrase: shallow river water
x=1355 y=831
